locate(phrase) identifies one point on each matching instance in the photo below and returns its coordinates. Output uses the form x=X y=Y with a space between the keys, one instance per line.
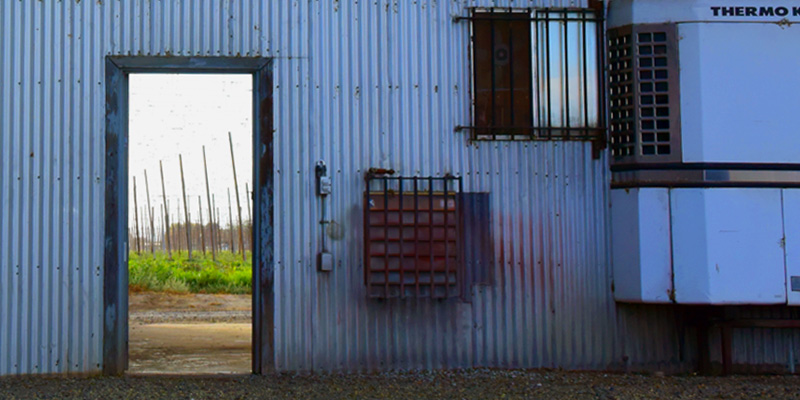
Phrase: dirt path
x=190 y=348
x=189 y=334
x=150 y=301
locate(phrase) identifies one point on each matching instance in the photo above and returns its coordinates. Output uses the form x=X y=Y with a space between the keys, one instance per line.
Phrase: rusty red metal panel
x=412 y=239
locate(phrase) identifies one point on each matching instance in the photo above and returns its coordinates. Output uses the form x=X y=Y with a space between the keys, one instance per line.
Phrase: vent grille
x=620 y=48
x=644 y=95
x=413 y=234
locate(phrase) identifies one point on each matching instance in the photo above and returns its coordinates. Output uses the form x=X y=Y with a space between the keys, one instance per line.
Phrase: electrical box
x=705 y=199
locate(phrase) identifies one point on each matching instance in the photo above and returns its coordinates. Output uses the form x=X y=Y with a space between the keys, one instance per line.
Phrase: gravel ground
x=158 y=317
x=154 y=308
x=472 y=384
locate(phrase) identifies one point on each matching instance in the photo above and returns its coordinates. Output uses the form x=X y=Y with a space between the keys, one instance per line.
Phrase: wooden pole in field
x=186 y=219
x=238 y=202
x=137 y=239
x=143 y=216
x=219 y=229
x=152 y=232
x=161 y=231
x=192 y=230
x=230 y=222
x=202 y=227
x=174 y=225
x=247 y=197
x=166 y=210
x=142 y=235
x=210 y=209
x=177 y=233
x=218 y=225
x=249 y=216
x=150 y=208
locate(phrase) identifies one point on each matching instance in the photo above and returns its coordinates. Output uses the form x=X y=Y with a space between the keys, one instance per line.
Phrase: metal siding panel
x=52 y=168
x=761 y=349
x=390 y=103
x=385 y=99
x=359 y=85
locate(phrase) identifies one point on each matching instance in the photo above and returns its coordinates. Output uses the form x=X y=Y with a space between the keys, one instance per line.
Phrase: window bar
x=367 y=245
x=402 y=248
x=566 y=102
x=531 y=18
x=538 y=83
x=460 y=273
x=547 y=72
x=416 y=234
x=510 y=75
x=494 y=80
x=386 y=236
x=599 y=34
x=585 y=80
x=445 y=183
x=430 y=237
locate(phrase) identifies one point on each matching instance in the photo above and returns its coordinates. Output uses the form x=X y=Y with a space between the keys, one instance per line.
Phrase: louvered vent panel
x=644 y=94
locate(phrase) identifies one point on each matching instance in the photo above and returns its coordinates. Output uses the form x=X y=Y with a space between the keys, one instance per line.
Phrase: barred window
x=536 y=75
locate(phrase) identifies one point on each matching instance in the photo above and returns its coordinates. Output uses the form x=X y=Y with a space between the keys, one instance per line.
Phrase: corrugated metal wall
x=360 y=85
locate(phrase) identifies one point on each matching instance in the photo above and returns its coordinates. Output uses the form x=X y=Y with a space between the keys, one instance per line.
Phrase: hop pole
x=210 y=209
x=238 y=203
x=202 y=227
x=166 y=210
x=138 y=239
x=150 y=208
x=187 y=221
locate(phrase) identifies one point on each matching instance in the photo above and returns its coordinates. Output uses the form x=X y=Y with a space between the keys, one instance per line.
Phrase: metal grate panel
x=412 y=237
x=621 y=93
x=644 y=94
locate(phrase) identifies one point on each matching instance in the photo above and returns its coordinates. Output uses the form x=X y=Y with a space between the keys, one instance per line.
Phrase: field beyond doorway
x=229 y=274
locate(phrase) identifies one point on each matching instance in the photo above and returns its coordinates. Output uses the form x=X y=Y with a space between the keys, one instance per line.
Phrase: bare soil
x=189 y=333
x=190 y=348
x=152 y=301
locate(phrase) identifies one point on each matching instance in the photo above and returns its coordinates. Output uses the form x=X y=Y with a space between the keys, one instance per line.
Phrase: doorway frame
x=115 y=257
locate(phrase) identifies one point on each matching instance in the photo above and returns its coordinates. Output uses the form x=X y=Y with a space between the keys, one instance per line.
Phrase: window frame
x=538 y=131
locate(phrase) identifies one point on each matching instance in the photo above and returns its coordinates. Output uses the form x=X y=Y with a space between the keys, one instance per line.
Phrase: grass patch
x=159 y=273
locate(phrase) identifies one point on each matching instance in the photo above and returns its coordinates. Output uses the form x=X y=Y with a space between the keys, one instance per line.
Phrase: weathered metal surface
x=359 y=85
x=550 y=301
x=115 y=252
x=263 y=193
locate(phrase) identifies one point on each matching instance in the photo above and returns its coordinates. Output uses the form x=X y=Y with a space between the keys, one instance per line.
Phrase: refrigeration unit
x=705 y=151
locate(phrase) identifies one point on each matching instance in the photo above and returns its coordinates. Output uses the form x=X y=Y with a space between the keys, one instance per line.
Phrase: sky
x=178 y=114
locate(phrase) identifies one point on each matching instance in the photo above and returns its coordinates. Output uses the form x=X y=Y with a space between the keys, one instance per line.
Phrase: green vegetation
x=181 y=275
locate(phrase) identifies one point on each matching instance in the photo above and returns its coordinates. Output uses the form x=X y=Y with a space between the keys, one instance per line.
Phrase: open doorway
x=117 y=243
x=190 y=223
